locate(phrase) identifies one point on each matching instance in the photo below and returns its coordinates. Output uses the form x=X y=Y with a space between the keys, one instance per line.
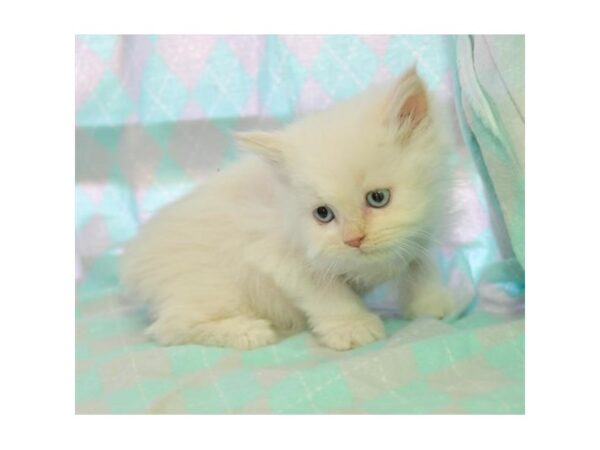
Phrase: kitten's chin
x=369 y=250
x=365 y=258
x=379 y=254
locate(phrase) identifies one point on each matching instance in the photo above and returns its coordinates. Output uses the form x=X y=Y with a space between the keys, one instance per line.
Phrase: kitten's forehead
x=343 y=181
x=338 y=145
x=341 y=160
x=342 y=151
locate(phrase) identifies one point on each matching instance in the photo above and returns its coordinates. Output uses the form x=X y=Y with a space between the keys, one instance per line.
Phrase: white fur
x=242 y=262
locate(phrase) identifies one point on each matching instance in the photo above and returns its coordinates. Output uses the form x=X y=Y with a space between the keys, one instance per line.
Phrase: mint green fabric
x=491 y=75
x=473 y=365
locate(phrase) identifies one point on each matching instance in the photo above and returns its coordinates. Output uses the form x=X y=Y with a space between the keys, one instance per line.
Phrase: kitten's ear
x=408 y=106
x=268 y=145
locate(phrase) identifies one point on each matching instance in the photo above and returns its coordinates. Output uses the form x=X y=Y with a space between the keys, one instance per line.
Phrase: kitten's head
x=364 y=176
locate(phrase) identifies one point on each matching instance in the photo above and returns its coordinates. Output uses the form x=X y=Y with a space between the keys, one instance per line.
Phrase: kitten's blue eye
x=323 y=214
x=379 y=198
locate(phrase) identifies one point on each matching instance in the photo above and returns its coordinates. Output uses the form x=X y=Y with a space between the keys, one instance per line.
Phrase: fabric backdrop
x=491 y=96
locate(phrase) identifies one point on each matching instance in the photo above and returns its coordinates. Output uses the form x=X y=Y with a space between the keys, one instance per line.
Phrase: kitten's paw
x=351 y=333
x=433 y=302
x=259 y=334
x=243 y=333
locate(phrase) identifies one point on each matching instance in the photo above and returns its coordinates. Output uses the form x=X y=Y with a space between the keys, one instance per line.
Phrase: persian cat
x=291 y=235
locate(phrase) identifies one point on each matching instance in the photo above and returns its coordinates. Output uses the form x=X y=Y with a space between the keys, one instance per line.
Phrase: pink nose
x=355 y=242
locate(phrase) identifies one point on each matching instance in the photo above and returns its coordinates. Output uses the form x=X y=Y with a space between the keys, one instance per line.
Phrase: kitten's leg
x=427 y=295
x=207 y=310
x=267 y=300
x=338 y=317
x=334 y=311
x=241 y=331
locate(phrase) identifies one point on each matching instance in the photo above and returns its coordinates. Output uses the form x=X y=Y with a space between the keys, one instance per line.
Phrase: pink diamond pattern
x=186 y=56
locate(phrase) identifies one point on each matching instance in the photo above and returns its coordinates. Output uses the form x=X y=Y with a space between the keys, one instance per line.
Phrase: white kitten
x=289 y=237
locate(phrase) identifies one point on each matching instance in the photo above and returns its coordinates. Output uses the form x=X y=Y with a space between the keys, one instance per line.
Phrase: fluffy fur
x=242 y=261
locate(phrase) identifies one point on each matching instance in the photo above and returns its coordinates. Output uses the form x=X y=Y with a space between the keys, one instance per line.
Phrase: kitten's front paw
x=435 y=302
x=351 y=333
